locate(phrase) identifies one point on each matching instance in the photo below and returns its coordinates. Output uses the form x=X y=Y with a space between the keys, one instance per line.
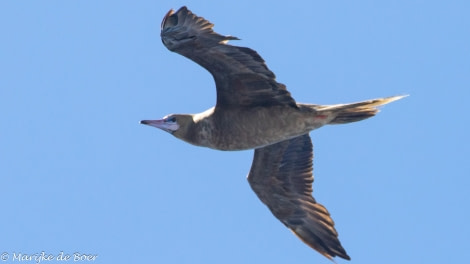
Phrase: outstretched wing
x=241 y=76
x=281 y=176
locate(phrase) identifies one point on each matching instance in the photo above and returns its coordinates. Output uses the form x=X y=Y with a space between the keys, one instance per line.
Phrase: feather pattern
x=281 y=175
x=241 y=75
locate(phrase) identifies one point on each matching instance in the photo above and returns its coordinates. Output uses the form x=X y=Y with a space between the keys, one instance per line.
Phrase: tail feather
x=353 y=115
x=347 y=113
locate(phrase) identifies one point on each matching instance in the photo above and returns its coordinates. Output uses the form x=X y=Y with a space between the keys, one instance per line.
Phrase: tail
x=347 y=113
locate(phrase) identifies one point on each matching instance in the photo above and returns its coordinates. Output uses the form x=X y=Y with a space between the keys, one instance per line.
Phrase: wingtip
x=168 y=14
x=185 y=20
x=338 y=252
x=167 y=22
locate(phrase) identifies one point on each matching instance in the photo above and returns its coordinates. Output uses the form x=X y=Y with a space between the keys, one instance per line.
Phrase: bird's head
x=175 y=124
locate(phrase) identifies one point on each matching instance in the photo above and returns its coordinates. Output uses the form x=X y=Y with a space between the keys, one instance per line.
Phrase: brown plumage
x=254 y=111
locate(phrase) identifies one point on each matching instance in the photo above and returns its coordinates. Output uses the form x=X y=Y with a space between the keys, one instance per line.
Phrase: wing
x=281 y=176
x=241 y=76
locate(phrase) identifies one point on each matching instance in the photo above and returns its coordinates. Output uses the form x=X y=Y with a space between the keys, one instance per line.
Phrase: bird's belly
x=237 y=142
x=255 y=129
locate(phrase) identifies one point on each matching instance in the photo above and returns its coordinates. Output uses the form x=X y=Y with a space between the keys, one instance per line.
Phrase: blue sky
x=80 y=174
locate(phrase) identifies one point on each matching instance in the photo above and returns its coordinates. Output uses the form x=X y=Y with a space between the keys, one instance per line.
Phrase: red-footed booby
x=254 y=111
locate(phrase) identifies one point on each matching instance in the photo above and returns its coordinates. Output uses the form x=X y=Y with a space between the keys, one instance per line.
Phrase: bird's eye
x=171 y=119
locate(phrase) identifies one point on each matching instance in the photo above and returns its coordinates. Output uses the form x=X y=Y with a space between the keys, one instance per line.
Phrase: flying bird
x=254 y=111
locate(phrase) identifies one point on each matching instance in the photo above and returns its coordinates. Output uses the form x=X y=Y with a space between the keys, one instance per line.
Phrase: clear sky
x=80 y=174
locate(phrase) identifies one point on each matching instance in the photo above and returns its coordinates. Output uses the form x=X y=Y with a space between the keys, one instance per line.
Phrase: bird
x=254 y=111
